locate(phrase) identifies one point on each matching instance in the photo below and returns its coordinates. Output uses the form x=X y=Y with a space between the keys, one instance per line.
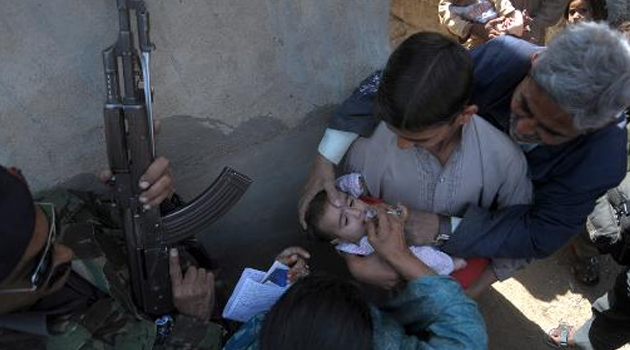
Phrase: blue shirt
x=430 y=313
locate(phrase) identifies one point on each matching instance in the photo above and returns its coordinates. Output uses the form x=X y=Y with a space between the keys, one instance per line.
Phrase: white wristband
x=455 y=222
x=335 y=144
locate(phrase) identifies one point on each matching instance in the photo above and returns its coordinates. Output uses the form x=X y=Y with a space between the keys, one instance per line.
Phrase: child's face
x=346 y=223
x=579 y=11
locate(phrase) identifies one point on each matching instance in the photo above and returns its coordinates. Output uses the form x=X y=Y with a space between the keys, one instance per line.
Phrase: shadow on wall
x=199 y=148
x=277 y=158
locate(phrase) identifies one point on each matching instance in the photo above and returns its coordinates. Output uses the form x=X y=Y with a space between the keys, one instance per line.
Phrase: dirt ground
x=520 y=310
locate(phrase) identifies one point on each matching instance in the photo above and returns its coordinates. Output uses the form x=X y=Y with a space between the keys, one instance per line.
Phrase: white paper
x=251 y=297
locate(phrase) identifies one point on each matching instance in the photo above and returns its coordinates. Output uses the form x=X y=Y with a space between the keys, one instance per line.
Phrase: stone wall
x=218 y=64
x=411 y=16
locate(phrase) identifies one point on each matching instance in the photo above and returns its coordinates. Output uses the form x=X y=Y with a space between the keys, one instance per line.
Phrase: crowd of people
x=459 y=163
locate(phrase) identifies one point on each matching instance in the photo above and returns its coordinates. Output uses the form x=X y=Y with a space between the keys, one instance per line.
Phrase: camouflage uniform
x=112 y=322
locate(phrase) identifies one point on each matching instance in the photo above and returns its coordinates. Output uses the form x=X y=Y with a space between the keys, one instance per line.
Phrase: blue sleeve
x=356 y=113
x=430 y=313
x=500 y=65
x=564 y=196
x=246 y=338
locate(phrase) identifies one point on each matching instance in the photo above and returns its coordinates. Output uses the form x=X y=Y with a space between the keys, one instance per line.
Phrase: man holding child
x=560 y=105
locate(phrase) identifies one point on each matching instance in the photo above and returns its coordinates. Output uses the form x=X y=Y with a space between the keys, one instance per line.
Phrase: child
x=585 y=10
x=459 y=17
x=345 y=227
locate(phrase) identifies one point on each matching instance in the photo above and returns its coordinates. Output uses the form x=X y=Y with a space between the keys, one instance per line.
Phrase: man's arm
x=562 y=202
x=523 y=231
x=355 y=117
x=356 y=114
x=519 y=231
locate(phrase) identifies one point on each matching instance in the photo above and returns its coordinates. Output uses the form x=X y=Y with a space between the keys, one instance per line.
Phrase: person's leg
x=610 y=328
x=581 y=339
x=586 y=266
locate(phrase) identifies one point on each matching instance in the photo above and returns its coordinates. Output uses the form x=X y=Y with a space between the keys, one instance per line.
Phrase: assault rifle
x=131 y=149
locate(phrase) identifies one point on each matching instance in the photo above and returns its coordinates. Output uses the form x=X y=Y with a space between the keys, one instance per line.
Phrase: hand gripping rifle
x=131 y=149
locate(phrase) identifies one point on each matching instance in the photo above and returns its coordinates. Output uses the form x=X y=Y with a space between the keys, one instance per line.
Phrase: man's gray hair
x=586 y=70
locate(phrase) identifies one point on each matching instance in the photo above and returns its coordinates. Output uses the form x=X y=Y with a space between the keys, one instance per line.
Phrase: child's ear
x=466 y=115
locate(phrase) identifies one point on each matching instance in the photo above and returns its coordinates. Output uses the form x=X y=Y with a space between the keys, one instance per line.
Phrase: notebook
x=256 y=291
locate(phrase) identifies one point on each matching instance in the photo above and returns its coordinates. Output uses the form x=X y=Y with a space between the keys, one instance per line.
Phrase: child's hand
x=372 y=269
x=295 y=258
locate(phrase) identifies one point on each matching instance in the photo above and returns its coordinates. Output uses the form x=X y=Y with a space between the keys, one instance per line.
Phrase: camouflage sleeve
x=189 y=333
x=105 y=325
x=79 y=206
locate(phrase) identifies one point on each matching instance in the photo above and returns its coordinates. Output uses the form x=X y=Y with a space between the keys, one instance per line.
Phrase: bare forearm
x=421 y=228
x=408 y=266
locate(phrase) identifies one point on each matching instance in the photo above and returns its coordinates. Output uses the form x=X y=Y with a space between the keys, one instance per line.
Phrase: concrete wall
x=219 y=64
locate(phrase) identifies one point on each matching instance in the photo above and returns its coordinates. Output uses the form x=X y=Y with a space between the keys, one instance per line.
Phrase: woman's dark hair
x=427 y=81
x=598 y=8
x=317 y=313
